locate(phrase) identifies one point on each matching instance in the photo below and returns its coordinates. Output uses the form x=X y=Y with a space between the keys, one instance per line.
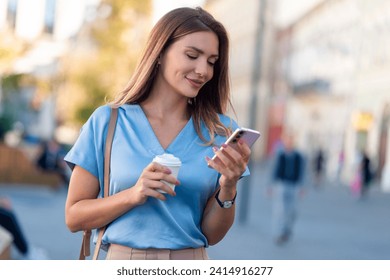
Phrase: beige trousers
x=119 y=252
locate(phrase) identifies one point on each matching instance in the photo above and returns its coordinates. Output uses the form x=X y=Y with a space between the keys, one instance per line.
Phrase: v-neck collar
x=179 y=143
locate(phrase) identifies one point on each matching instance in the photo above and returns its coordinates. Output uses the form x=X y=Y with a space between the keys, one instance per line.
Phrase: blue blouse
x=171 y=224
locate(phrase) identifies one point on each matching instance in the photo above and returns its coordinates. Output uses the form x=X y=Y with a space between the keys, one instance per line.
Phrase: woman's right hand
x=149 y=183
x=84 y=211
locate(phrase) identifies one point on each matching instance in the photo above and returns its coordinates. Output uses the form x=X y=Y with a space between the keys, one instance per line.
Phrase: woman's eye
x=212 y=63
x=192 y=56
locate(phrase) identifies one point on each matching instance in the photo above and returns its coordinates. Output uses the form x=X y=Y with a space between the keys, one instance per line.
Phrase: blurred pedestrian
x=340 y=165
x=175 y=103
x=362 y=176
x=51 y=159
x=366 y=173
x=288 y=173
x=356 y=182
x=318 y=167
x=10 y=222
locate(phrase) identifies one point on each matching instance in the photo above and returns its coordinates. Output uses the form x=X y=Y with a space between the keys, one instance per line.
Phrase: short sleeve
x=87 y=151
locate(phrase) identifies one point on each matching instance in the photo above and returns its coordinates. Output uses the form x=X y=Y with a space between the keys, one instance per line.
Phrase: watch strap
x=222 y=203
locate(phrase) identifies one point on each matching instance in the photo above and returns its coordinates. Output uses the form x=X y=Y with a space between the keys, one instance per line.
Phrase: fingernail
x=215 y=149
x=224 y=145
x=168 y=171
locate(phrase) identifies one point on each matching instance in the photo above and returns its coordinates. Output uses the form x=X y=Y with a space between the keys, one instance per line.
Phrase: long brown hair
x=214 y=97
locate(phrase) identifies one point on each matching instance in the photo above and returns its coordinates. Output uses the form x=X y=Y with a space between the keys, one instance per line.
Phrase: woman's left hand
x=230 y=163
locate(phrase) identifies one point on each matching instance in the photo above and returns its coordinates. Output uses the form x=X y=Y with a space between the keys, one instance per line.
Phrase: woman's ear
x=159 y=59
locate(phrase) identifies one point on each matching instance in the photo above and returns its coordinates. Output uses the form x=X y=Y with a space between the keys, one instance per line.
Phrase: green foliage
x=12 y=82
x=10 y=49
x=12 y=103
x=5 y=53
x=6 y=122
x=96 y=92
x=114 y=57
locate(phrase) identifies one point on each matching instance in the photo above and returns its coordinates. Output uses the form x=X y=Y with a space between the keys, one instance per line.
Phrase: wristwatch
x=226 y=203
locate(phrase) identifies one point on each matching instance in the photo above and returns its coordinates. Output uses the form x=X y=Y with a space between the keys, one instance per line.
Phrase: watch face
x=227 y=204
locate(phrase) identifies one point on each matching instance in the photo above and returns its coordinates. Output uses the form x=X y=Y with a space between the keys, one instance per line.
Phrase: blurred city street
x=331 y=225
x=315 y=69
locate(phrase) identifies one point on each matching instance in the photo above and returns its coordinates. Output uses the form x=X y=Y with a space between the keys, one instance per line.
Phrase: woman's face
x=188 y=64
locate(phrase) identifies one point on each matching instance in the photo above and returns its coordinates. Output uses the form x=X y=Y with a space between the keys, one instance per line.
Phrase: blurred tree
x=10 y=49
x=103 y=57
x=13 y=102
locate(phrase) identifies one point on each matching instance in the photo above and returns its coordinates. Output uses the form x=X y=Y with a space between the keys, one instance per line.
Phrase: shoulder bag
x=85 y=245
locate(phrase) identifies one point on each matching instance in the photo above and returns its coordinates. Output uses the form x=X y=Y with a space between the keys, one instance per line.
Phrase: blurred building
x=45 y=29
x=102 y=58
x=250 y=28
x=322 y=76
x=333 y=63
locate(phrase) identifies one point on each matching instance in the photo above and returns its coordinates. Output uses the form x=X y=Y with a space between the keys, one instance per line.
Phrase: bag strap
x=85 y=250
x=85 y=247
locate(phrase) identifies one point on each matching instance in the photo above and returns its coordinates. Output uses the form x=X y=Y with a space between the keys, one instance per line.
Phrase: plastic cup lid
x=167 y=159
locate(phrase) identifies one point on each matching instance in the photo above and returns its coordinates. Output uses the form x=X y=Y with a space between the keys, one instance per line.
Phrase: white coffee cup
x=172 y=162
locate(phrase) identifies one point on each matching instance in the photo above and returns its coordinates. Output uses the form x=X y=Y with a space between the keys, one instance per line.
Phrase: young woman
x=174 y=103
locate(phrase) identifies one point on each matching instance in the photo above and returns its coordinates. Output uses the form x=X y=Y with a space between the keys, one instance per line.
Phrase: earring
x=191 y=101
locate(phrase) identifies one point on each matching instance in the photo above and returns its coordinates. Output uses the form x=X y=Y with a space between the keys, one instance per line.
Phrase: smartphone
x=248 y=135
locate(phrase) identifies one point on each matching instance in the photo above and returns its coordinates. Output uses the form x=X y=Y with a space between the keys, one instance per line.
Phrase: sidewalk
x=41 y=213
x=331 y=225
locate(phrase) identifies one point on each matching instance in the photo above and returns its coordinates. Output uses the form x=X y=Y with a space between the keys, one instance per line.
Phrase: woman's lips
x=195 y=83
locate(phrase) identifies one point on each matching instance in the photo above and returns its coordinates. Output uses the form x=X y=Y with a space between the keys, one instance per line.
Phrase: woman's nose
x=202 y=69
